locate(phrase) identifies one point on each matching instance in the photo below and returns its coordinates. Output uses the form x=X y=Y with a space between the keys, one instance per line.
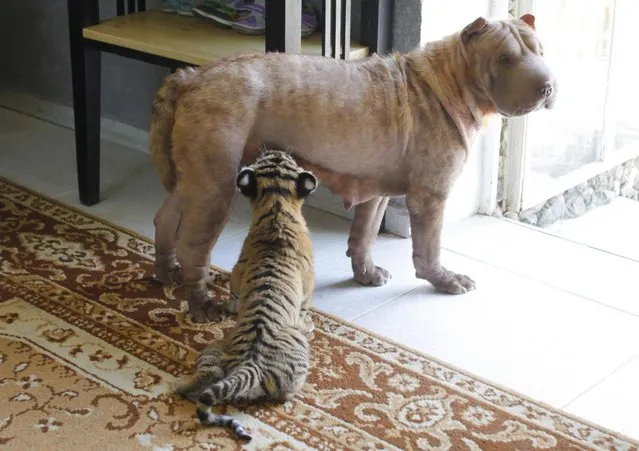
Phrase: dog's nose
x=546 y=89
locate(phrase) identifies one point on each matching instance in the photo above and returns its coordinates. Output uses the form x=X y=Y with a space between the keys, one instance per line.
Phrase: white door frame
x=491 y=137
x=516 y=162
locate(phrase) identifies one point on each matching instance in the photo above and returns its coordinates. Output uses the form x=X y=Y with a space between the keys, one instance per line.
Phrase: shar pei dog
x=398 y=125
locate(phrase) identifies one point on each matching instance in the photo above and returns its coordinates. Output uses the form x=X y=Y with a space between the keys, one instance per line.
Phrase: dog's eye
x=504 y=59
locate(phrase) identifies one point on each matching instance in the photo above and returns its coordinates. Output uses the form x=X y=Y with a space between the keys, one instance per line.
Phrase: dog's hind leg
x=204 y=216
x=364 y=228
x=207 y=190
x=167 y=221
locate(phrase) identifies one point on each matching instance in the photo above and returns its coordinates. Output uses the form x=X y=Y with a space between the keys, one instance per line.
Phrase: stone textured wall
x=622 y=180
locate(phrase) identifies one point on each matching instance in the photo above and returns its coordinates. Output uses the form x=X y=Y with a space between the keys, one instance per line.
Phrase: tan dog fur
x=370 y=129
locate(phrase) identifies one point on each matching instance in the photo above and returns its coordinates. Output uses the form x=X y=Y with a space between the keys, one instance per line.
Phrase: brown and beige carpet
x=89 y=344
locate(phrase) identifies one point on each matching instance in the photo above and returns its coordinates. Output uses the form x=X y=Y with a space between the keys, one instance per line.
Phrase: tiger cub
x=266 y=356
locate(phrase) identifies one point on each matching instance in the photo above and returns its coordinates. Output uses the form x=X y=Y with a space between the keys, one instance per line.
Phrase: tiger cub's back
x=266 y=355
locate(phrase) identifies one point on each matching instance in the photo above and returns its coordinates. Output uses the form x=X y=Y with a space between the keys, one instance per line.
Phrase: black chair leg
x=86 y=78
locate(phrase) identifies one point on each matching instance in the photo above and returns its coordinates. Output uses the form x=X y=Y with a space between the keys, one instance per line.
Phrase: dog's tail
x=161 y=132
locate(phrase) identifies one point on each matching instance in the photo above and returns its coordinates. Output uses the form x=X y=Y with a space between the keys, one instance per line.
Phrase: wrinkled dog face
x=507 y=61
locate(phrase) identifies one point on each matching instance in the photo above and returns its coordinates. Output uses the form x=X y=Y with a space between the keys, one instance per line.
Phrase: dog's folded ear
x=529 y=19
x=306 y=184
x=473 y=30
x=247 y=183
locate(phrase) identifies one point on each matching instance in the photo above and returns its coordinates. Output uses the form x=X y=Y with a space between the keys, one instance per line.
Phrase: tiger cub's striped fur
x=266 y=356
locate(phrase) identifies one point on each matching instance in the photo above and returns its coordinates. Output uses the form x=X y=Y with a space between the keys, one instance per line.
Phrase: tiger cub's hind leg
x=210 y=359
x=306 y=317
x=208 y=370
x=191 y=386
x=237 y=275
x=297 y=357
x=306 y=325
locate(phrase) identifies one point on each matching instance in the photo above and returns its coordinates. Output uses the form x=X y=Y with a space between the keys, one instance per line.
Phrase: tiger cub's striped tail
x=208 y=418
x=220 y=393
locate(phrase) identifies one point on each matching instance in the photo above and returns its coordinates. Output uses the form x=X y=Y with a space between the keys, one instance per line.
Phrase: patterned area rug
x=90 y=343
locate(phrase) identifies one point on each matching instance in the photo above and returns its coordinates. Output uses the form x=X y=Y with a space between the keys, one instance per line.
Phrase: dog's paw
x=448 y=281
x=168 y=275
x=370 y=274
x=233 y=304
x=204 y=312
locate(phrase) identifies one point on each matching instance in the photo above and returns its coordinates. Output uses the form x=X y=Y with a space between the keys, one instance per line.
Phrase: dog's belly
x=352 y=189
x=341 y=150
x=354 y=176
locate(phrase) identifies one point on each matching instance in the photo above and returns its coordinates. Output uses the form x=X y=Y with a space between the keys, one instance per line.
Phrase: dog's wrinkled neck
x=445 y=69
x=474 y=93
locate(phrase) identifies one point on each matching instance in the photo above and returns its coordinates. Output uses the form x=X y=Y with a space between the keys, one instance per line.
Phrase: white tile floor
x=551 y=318
x=612 y=228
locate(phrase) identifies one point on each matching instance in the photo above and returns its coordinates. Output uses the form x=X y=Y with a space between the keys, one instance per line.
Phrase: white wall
x=441 y=18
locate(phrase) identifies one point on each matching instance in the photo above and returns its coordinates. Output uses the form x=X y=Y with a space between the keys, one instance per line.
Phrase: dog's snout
x=546 y=89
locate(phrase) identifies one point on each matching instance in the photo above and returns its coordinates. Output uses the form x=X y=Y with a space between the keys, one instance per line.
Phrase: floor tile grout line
x=600 y=381
x=542 y=282
x=34 y=117
x=65 y=127
x=569 y=240
x=11 y=178
x=394 y=298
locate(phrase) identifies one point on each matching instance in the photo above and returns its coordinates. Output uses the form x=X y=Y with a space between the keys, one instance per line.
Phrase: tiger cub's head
x=275 y=173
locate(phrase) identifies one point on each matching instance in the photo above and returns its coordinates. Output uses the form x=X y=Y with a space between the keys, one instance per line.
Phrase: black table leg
x=376 y=25
x=85 y=74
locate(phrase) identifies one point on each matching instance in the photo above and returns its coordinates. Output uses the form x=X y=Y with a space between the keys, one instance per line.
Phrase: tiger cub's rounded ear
x=247 y=183
x=306 y=184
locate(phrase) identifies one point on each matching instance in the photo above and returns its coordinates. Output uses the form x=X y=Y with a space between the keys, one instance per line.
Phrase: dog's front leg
x=426 y=219
x=364 y=228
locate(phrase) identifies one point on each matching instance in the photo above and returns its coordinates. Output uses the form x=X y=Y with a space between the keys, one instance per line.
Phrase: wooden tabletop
x=188 y=39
